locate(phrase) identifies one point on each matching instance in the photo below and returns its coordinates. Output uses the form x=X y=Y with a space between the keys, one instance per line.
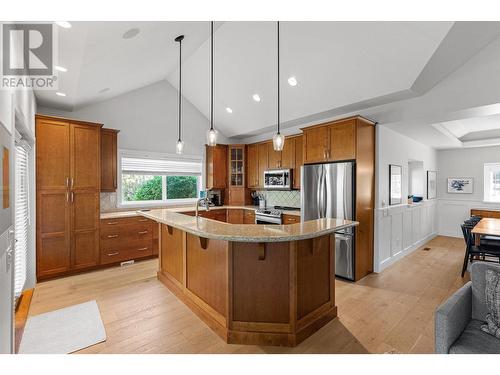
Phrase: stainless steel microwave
x=278 y=179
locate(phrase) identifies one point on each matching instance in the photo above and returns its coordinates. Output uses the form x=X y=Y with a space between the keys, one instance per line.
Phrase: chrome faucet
x=203 y=200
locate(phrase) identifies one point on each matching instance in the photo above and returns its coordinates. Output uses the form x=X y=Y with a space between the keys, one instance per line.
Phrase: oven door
x=266 y=220
x=279 y=179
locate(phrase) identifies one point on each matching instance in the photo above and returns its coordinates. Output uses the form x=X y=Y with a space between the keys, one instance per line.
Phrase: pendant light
x=278 y=138
x=212 y=133
x=179 y=147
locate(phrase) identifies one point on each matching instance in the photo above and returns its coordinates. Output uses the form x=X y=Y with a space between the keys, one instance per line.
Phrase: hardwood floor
x=390 y=312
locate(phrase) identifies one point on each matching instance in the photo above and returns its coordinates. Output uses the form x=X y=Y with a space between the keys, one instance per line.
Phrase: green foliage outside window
x=179 y=187
x=147 y=188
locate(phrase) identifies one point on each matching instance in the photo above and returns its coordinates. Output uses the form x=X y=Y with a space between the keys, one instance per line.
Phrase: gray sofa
x=459 y=319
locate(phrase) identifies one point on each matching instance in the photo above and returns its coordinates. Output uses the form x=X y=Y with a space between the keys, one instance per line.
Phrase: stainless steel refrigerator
x=327 y=190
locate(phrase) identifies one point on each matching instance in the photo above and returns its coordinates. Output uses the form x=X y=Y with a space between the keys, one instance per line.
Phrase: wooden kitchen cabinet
x=235 y=216
x=127 y=238
x=288 y=153
x=343 y=141
x=237 y=196
x=216 y=167
x=263 y=163
x=315 y=144
x=68 y=186
x=298 y=162
x=282 y=159
x=252 y=166
x=290 y=219
x=335 y=141
x=273 y=157
x=109 y=138
x=248 y=216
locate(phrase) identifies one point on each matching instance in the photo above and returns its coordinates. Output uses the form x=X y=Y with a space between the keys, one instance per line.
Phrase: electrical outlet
x=127 y=263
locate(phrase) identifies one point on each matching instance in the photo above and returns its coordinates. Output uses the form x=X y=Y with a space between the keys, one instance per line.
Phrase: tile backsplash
x=289 y=198
x=108 y=201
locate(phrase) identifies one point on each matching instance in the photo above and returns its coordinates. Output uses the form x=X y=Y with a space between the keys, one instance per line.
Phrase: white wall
x=147 y=120
x=400 y=229
x=468 y=162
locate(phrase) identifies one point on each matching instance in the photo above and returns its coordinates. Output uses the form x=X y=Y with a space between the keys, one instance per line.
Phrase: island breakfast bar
x=251 y=284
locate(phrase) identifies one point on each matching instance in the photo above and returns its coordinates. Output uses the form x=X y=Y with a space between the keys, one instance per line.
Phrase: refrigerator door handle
x=320 y=195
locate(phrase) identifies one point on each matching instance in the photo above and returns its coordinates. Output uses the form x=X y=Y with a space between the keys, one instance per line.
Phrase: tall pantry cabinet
x=67 y=195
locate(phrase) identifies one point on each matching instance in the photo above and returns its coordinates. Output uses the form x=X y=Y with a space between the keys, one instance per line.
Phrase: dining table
x=486 y=227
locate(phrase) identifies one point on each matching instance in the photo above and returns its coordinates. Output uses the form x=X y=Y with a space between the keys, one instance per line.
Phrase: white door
x=6 y=243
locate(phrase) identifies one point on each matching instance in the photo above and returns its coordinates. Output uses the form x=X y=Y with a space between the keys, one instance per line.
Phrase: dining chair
x=488 y=246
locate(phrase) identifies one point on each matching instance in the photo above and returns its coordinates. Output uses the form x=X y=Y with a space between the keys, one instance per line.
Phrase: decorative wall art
x=395 y=184
x=460 y=185
x=431 y=184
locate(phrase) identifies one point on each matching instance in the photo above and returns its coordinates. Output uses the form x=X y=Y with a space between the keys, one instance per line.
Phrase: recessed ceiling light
x=292 y=81
x=229 y=110
x=63 y=24
x=60 y=68
x=256 y=97
x=129 y=34
x=60 y=94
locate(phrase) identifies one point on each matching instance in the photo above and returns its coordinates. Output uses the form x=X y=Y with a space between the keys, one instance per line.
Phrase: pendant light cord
x=278 y=23
x=180 y=86
x=212 y=75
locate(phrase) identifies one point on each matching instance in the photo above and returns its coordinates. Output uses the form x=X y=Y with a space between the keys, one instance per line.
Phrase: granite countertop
x=245 y=232
x=136 y=212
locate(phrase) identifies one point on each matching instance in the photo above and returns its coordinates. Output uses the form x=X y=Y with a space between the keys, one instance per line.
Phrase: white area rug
x=63 y=331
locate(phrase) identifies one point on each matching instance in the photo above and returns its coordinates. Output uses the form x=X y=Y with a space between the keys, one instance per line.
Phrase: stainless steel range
x=268 y=216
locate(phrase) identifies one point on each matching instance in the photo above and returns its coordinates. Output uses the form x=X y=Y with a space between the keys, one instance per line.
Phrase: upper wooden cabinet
x=109 y=159
x=67 y=197
x=253 y=166
x=262 y=163
x=216 y=167
x=299 y=161
x=315 y=144
x=343 y=141
x=273 y=157
x=236 y=165
x=52 y=154
x=288 y=153
x=334 y=141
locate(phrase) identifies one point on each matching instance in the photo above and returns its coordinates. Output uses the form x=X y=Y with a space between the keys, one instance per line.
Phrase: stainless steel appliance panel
x=328 y=192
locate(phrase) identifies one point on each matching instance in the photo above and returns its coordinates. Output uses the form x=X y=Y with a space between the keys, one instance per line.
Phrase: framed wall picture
x=431 y=184
x=395 y=184
x=460 y=185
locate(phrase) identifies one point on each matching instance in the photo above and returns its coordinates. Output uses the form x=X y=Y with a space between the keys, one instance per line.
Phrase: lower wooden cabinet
x=128 y=238
x=248 y=217
x=290 y=219
x=235 y=216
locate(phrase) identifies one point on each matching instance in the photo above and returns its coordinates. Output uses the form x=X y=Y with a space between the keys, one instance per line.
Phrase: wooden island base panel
x=275 y=293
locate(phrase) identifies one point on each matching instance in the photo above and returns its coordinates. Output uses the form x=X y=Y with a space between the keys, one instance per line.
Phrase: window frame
x=120 y=203
x=487 y=182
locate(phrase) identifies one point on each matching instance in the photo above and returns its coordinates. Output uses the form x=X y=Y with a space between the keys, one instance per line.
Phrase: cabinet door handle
x=67 y=197
x=142 y=249
x=143 y=232
x=72 y=181
x=72 y=197
x=112 y=222
x=112 y=236
x=113 y=254
x=143 y=220
x=67 y=181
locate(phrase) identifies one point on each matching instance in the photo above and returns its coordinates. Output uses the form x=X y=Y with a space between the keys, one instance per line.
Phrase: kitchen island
x=251 y=284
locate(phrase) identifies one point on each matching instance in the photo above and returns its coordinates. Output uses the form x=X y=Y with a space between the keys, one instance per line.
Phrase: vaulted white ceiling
x=337 y=65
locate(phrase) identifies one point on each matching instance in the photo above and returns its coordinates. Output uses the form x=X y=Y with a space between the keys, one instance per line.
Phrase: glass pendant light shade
x=212 y=137
x=179 y=147
x=278 y=142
